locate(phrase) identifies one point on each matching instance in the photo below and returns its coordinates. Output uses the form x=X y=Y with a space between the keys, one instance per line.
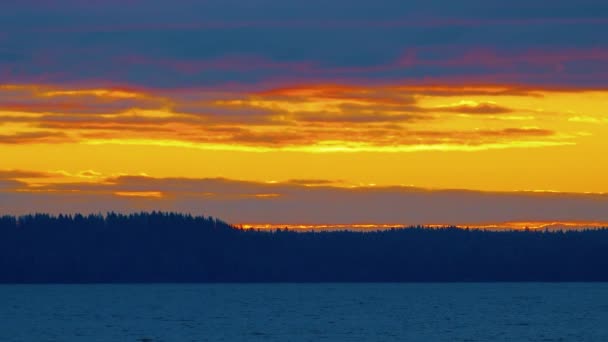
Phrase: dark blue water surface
x=305 y=312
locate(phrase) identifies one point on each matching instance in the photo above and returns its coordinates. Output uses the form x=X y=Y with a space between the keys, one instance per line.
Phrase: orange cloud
x=315 y=118
x=47 y=99
x=34 y=138
x=20 y=174
x=482 y=108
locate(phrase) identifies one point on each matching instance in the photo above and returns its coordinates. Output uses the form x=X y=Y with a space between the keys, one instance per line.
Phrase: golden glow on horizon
x=371 y=227
x=359 y=226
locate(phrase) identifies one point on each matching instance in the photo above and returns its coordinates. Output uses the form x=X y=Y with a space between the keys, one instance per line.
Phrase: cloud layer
x=208 y=43
x=297 y=201
x=312 y=118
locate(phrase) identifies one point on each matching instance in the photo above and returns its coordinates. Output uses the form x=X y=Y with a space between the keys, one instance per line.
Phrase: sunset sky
x=307 y=112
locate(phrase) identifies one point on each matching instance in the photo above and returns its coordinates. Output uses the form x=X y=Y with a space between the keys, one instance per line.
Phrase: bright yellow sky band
x=493 y=138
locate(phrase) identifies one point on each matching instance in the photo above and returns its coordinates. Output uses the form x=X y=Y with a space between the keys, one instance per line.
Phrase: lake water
x=304 y=312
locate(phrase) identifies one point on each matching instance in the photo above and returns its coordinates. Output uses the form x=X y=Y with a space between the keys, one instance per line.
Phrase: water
x=304 y=312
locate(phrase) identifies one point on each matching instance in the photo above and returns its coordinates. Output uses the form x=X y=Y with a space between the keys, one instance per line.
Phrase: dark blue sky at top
x=207 y=43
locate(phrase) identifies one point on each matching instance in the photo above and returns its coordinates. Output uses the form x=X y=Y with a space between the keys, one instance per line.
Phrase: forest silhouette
x=172 y=247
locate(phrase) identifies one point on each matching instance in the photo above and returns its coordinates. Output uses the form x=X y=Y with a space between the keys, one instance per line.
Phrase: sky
x=307 y=113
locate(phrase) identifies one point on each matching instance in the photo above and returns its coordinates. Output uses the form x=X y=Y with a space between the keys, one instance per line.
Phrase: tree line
x=173 y=247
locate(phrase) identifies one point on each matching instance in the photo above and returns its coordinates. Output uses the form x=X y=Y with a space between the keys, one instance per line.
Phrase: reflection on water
x=304 y=312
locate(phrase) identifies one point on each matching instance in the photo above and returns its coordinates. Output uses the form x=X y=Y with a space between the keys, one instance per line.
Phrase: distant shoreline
x=162 y=247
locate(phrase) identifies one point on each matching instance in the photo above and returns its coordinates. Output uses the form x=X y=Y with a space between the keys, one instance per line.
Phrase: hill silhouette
x=171 y=247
